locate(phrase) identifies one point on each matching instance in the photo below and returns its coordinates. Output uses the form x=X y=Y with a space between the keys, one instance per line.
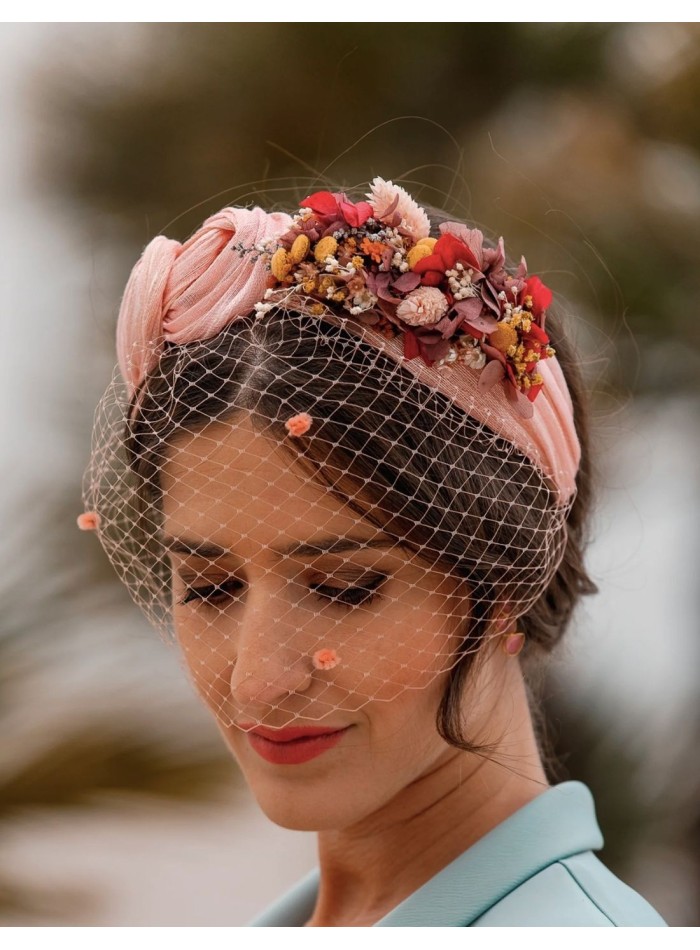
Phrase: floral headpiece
x=449 y=298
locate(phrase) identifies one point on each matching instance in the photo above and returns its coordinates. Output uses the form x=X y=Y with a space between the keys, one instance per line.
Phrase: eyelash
x=365 y=595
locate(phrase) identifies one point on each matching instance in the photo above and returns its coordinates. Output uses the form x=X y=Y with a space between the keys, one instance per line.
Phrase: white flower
x=363 y=300
x=413 y=217
x=261 y=309
x=473 y=356
x=423 y=305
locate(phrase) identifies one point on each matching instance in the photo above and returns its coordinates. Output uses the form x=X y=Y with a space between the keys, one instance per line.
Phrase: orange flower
x=374 y=249
x=299 y=424
x=88 y=521
x=326 y=659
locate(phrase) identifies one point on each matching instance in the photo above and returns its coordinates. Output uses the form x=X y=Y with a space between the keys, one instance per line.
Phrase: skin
x=392 y=803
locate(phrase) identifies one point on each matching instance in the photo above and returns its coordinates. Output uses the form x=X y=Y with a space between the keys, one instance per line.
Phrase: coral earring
x=513 y=643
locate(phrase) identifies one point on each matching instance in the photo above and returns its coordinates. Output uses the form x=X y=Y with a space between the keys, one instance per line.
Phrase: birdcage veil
x=317 y=465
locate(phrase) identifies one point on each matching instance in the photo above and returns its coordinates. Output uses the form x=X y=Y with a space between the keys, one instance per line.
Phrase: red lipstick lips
x=295 y=744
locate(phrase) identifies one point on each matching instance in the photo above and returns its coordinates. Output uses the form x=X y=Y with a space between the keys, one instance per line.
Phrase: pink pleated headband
x=446 y=307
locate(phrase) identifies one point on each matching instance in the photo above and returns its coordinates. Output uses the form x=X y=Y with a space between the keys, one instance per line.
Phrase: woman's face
x=252 y=607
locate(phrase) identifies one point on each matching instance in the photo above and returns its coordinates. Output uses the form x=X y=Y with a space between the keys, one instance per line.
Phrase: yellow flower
x=503 y=337
x=417 y=253
x=280 y=265
x=324 y=284
x=299 y=249
x=326 y=247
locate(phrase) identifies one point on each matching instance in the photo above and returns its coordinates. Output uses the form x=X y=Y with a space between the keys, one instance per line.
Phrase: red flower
x=541 y=295
x=533 y=390
x=500 y=367
x=356 y=214
x=447 y=252
x=535 y=341
x=322 y=202
x=337 y=206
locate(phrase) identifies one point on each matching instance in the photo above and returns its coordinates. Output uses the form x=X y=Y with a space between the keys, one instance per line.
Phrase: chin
x=300 y=809
x=303 y=797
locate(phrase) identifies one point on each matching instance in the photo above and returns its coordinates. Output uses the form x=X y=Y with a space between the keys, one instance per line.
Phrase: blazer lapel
x=558 y=823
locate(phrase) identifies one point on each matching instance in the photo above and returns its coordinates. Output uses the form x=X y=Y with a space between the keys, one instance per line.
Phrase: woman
x=346 y=469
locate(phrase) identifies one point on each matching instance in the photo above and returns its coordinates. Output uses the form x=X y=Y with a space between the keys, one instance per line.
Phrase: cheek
x=404 y=642
x=206 y=656
x=411 y=642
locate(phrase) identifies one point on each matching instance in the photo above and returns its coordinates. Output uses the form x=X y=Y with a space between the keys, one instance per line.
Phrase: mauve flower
x=423 y=305
x=393 y=202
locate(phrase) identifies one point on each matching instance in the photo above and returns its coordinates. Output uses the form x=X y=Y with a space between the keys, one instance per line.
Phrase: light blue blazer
x=535 y=869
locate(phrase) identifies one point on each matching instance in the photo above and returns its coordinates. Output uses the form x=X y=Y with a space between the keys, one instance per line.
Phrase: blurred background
x=580 y=143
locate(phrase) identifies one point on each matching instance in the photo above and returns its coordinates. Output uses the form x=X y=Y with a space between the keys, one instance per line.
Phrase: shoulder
x=577 y=891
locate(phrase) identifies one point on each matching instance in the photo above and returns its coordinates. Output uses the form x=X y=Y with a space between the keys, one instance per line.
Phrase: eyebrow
x=329 y=545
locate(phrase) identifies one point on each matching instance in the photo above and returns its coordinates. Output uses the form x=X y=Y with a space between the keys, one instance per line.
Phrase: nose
x=268 y=664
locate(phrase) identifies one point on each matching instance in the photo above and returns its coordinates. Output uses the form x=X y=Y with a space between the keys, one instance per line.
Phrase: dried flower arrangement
x=449 y=297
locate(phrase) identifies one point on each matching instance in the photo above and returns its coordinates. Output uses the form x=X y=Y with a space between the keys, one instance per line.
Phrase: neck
x=369 y=868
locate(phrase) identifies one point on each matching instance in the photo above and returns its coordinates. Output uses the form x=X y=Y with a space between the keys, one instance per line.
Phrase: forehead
x=229 y=480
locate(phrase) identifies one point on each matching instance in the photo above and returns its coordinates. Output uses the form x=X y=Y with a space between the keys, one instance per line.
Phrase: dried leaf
x=491 y=374
x=406 y=282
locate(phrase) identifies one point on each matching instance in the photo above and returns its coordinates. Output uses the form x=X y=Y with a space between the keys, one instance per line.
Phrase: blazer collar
x=559 y=822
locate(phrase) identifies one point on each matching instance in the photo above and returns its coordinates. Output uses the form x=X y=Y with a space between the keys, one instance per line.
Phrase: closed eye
x=220 y=594
x=350 y=596
x=214 y=594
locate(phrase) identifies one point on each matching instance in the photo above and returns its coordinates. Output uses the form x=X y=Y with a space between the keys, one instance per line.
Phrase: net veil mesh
x=305 y=568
